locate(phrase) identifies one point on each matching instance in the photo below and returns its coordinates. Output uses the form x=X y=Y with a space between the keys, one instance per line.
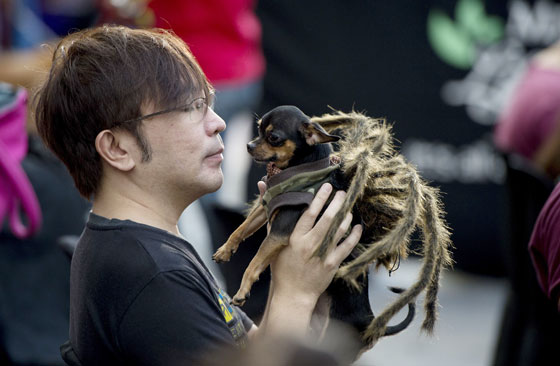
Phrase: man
x=129 y=113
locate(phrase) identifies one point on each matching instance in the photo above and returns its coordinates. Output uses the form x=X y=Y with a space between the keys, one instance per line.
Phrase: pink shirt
x=224 y=36
x=544 y=246
x=531 y=114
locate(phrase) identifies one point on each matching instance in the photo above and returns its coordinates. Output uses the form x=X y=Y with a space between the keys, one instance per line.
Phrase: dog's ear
x=315 y=134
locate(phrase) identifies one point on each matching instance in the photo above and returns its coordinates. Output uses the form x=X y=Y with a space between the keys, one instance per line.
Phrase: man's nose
x=215 y=123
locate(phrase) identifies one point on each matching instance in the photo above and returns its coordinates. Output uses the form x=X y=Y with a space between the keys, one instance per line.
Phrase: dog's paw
x=223 y=254
x=239 y=299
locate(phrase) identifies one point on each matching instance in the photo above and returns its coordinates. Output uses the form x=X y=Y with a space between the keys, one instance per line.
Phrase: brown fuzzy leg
x=430 y=302
x=330 y=122
x=256 y=219
x=355 y=190
x=360 y=177
x=268 y=250
x=337 y=120
x=377 y=327
x=436 y=230
x=392 y=242
x=436 y=241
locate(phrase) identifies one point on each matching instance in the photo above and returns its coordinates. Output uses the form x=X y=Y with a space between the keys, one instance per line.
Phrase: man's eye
x=200 y=104
x=197 y=105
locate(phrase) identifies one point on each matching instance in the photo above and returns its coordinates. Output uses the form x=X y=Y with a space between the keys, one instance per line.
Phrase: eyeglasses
x=196 y=110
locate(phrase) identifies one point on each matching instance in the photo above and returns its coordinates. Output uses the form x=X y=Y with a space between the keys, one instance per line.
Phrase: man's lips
x=216 y=154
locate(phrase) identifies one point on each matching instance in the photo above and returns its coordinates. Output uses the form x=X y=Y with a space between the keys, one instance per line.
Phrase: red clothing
x=544 y=246
x=224 y=36
x=531 y=114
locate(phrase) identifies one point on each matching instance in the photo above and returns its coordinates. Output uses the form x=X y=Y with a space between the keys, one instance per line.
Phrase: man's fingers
x=343 y=228
x=306 y=221
x=325 y=222
x=344 y=249
x=262 y=188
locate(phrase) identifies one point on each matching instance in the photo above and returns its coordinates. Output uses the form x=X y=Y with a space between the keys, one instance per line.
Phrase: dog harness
x=296 y=185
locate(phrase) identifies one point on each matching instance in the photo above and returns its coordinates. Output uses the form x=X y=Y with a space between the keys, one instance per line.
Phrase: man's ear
x=116 y=148
x=315 y=134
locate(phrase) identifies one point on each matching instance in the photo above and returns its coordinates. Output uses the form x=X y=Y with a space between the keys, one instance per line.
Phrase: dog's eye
x=272 y=138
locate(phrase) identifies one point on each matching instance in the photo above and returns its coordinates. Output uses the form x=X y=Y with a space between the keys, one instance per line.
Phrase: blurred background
x=441 y=71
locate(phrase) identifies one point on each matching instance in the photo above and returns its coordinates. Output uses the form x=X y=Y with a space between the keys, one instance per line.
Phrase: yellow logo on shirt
x=226 y=309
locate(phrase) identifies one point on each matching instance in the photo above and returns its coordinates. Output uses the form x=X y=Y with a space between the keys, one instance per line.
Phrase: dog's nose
x=250 y=147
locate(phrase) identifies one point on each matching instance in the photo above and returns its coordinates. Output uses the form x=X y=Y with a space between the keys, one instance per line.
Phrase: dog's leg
x=268 y=250
x=256 y=219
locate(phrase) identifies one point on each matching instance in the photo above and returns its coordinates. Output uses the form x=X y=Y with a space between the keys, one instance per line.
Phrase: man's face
x=186 y=153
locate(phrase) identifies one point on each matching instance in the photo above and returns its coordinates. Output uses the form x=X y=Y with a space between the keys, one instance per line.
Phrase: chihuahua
x=299 y=159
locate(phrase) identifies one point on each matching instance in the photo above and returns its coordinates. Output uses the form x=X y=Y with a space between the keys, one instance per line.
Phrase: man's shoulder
x=119 y=262
x=128 y=242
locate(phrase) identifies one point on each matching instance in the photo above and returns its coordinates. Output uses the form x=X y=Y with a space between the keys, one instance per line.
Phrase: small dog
x=299 y=159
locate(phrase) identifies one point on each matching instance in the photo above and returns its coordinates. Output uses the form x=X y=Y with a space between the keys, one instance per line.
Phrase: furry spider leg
x=391 y=242
x=435 y=256
x=355 y=190
x=359 y=179
x=339 y=119
x=437 y=232
x=427 y=204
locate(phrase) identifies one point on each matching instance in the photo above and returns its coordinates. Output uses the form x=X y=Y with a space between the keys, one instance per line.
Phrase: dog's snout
x=250 y=147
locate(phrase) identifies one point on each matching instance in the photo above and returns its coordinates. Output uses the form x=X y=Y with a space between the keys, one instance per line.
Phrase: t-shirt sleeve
x=173 y=321
x=247 y=322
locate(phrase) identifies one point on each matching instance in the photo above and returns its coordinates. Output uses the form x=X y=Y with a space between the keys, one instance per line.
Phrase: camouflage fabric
x=297 y=185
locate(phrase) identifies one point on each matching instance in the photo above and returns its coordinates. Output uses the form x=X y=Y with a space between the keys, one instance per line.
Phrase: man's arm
x=24 y=68
x=298 y=277
x=174 y=321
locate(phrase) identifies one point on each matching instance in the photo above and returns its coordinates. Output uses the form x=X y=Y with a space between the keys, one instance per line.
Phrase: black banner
x=439 y=70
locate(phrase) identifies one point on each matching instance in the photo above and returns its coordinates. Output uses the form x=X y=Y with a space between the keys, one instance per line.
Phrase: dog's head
x=285 y=132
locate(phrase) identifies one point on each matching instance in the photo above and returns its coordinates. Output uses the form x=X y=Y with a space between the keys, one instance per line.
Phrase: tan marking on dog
x=263 y=151
x=284 y=153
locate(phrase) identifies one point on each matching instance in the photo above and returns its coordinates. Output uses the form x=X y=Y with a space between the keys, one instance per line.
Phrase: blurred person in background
x=528 y=134
x=545 y=248
x=531 y=127
x=530 y=124
x=34 y=268
x=27 y=27
x=129 y=113
x=225 y=38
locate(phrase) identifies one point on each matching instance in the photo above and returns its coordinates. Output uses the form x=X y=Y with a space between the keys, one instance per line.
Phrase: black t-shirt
x=140 y=295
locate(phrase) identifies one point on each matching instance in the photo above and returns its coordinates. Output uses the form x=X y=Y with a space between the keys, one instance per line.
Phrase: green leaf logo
x=455 y=42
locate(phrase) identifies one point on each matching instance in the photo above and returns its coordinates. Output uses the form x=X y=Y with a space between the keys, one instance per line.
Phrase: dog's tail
x=394 y=329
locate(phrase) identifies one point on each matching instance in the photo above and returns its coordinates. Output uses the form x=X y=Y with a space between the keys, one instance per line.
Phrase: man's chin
x=215 y=182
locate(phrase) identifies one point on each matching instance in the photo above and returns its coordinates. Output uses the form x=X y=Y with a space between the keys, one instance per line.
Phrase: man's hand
x=298 y=277
x=296 y=270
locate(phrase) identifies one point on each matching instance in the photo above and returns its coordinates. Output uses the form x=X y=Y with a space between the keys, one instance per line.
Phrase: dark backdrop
x=405 y=60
